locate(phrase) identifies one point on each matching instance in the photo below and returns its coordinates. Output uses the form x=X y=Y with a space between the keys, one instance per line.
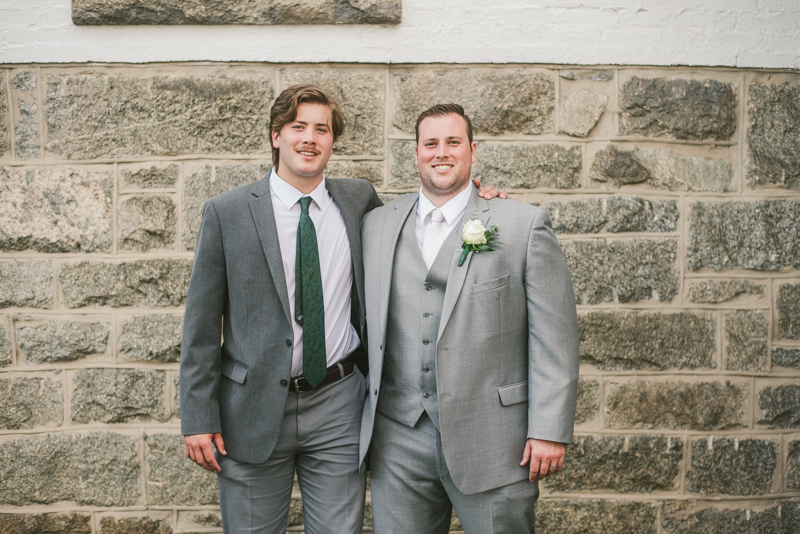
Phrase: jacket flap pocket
x=491 y=284
x=513 y=393
x=233 y=370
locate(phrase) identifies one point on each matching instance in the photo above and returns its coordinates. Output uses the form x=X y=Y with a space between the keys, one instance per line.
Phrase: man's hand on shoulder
x=198 y=448
x=488 y=191
x=544 y=457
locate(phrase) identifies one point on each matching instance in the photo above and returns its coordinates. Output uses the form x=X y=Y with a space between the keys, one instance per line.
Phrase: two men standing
x=473 y=367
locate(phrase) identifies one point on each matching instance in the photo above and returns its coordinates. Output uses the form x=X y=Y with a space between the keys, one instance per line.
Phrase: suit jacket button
x=426 y=369
x=284 y=382
x=374 y=391
x=426 y=395
x=425 y=341
x=428 y=288
x=288 y=342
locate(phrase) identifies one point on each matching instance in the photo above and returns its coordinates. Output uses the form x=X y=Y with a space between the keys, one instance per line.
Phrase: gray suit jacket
x=507 y=347
x=238 y=293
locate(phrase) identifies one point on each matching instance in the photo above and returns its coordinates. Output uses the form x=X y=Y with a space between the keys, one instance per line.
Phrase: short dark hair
x=284 y=110
x=440 y=110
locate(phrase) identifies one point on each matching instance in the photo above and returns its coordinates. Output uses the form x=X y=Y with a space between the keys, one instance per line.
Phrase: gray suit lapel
x=392 y=226
x=457 y=275
x=264 y=217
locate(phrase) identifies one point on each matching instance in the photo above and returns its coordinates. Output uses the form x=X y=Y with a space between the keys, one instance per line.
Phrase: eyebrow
x=314 y=124
x=458 y=137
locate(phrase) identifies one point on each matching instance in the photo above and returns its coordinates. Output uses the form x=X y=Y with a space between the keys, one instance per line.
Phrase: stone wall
x=675 y=194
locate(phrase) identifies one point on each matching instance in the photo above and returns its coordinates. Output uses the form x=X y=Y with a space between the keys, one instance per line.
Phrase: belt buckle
x=296 y=382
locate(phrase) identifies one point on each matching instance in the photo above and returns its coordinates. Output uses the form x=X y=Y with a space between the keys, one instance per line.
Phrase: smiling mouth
x=442 y=167
x=306 y=153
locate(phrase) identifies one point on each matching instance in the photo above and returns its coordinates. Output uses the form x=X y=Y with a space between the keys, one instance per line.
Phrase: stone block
x=676 y=405
x=5 y=120
x=153 y=177
x=157 y=282
x=28 y=141
x=528 y=166
x=793 y=465
x=403 y=173
x=789 y=310
x=636 y=340
x=152 y=338
x=171 y=12
x=55 y=523
x=118 y=395
x=96 y=469
x=732 y=466
x=208 y=519
x=109 y=116
x=362 y=97
x=780 y=406
x=146 y=222
x=703 y=110
x=773 y=136
x=727 y=521
x=208 y=181
x=6 y=349
x=176 y=401
x=26 y=284
x=786 y=357
x=174 y=481
x=622 y=271
x=55 y=210
x=372 y=171
x=295 y=512
x=746 y=340
x=580 y=112
x=134 y=525
x=583 y=516
x=24 y=80
x=634 y=463
x=617 y=166
x=762 y=235
x=717 y=292
x=62 y=341
x=30 y=402
x=613 y=214
x=591 y=75
x=496 y=100
x=588 y=400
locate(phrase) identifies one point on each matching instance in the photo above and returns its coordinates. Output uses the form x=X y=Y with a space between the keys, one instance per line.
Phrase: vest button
x=426 y=314
x=428 y=288
x=284 y=382
x=288 y=342
x=425 y=341
x=426 y=369
x=426 y=395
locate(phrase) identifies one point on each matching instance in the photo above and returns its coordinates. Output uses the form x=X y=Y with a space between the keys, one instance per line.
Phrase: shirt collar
x=289 y=194
x=451 y=210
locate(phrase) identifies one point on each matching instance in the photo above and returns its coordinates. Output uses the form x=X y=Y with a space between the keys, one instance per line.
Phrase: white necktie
x=432 y=240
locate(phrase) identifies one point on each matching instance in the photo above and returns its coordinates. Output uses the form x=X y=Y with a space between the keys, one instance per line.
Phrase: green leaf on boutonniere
x=475 y=238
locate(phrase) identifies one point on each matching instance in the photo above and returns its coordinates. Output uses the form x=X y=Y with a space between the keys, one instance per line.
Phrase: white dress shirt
x=452 y=210
x=335 y=265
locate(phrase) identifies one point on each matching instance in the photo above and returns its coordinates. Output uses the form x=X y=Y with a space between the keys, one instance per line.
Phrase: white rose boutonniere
x=476 y=238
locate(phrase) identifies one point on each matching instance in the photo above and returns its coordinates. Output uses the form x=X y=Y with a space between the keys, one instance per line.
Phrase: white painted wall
x=736 y=33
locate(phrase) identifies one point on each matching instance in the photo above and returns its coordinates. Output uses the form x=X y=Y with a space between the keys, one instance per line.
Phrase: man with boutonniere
x=473 y=348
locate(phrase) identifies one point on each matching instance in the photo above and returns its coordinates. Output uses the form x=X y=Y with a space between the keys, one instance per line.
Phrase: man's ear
x=416 y=157
x=474 y=148
x=274 y=135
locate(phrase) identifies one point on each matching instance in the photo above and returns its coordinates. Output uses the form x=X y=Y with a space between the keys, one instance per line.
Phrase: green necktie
x=309 y=308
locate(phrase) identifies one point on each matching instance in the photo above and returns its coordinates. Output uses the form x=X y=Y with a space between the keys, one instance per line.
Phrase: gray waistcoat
x=415 y=308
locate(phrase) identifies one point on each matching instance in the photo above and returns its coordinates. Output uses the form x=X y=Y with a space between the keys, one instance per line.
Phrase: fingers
x=200 y=451
x=219 y=444
x=546 y=458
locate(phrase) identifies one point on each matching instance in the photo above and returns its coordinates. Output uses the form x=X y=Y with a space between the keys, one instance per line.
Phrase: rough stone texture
x=732 y=466
x=613 y=214
x=713 y=521
x=71 y=523
x=209 y=519
x=773 y=137
x=5 y=120
x=6 y=349
x=403 y=173
x=716 y=292
x=636 y=463
x=152 y=338
x=371 y=171
x=208 y=181
x=118 y=395
x=154 y=177
x=580 y=112
x=176 y=402
x=595 y=517
x=103 y=116
x=786 y=357
x=633 y=340
x=134 y=525
x=24 y=81
x=496 y=100
x=97 y=469
x=62 y=341
x=26 y=284
x=780 y=406
x=165 y=12
x=28 y=141
x=622 y=271
x=789 y=311
x=362 y=96
x=173 y=481
x=676 y=405
x=762 y=235
x=146 y=222
x=158 y=282
x=55 y=210
x=588 y=400
x=679 y=109
x=528 y=166
x=662 y=169
x=30 y=402
x=793 y=465
x=591 y=75
x=746 y=340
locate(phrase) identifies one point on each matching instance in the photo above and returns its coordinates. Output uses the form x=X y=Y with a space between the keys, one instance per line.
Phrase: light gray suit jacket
x=507 y=347
x=238 y=292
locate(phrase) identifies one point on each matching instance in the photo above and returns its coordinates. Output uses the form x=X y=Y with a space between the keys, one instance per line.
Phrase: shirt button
x=426 y=314
x=426 y=395
x=428 y=288
x=284 y=382
x=288 y=342
x=425 y=341
x=426 y=369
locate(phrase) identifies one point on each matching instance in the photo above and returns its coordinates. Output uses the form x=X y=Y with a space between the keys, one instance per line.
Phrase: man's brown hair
x=284 y=110
x=440 y=110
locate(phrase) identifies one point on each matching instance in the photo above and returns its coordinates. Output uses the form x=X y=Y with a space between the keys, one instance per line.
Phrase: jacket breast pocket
x=513 y=393
x=488 y=285
x=234 y=370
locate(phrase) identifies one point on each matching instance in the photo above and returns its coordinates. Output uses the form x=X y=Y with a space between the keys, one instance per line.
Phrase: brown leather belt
x=336 y=372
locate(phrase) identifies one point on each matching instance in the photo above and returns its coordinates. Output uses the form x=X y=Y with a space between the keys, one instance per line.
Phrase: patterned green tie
x=309 y=308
